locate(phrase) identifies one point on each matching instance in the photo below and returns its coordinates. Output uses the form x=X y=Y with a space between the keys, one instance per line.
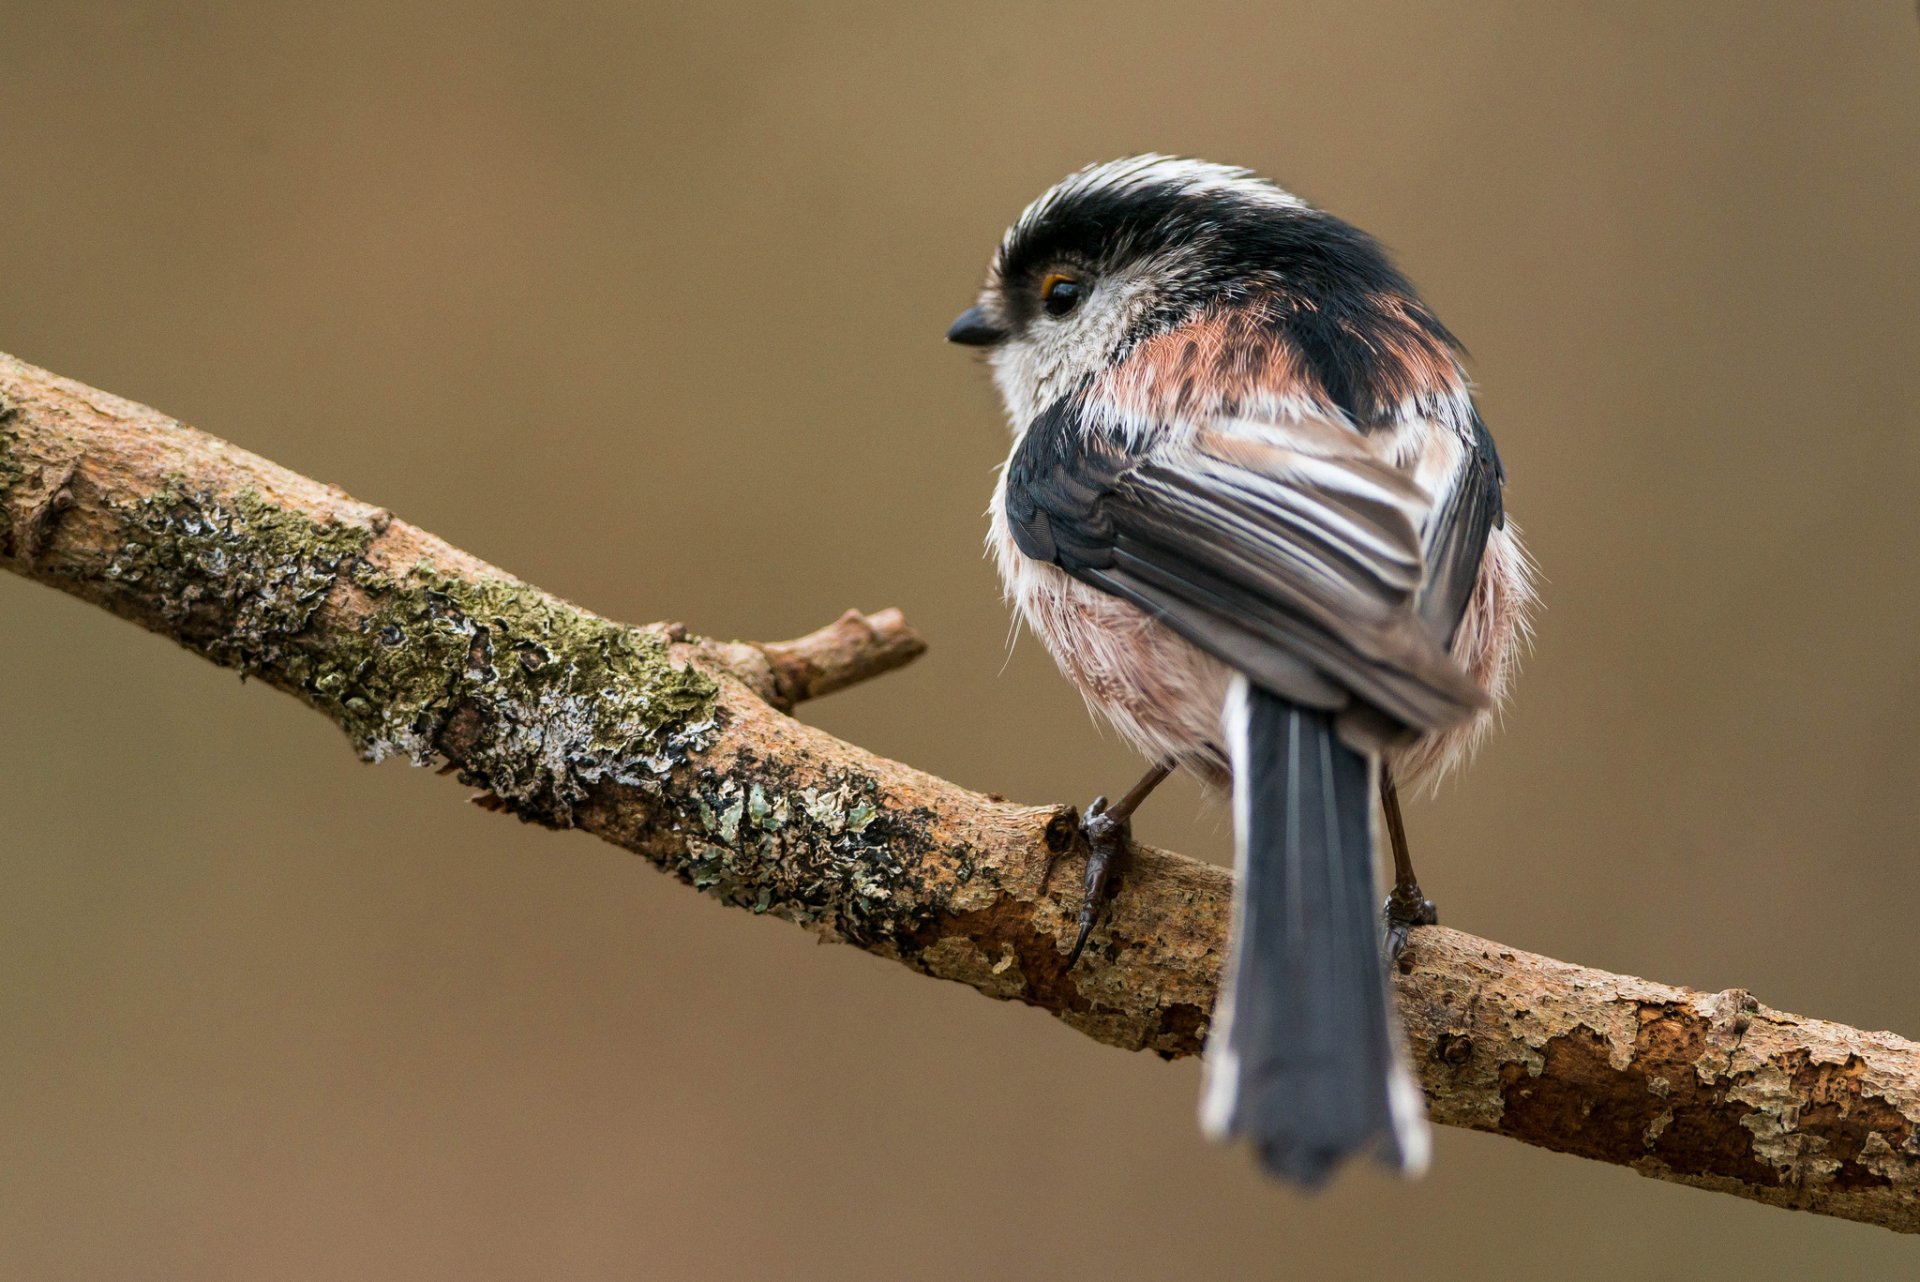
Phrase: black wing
x=1302 y=568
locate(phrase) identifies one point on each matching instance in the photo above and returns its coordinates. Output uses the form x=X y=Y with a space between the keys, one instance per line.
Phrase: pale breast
x=1161 y=693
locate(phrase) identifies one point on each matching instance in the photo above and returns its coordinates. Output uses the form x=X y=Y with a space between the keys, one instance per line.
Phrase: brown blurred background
x=647 y=308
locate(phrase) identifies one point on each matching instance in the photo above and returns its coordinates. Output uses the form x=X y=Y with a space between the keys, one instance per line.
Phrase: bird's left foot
x=1107 y=839
x=1406 y=908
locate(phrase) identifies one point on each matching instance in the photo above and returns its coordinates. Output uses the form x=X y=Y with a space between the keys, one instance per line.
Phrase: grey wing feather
x=1301 y=571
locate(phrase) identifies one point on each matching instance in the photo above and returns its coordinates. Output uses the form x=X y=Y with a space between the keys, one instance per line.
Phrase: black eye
x=1060 y=294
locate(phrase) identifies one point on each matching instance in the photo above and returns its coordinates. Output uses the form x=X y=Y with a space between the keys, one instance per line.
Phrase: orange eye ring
x=1060 y=293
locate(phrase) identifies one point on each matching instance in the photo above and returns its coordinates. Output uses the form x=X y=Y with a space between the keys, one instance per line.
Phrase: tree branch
x=678 y=749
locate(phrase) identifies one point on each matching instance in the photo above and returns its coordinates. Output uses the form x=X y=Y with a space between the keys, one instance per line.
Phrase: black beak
x=974 y=329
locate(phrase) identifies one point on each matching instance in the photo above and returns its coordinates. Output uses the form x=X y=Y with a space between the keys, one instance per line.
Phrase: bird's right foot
x=1107 y=839
x=1406 y=908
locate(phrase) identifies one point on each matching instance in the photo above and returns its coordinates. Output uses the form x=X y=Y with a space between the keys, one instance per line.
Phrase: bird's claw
x=1406 y=908
x=1107 y=840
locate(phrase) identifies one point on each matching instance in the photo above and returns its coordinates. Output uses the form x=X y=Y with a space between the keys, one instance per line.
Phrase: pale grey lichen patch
x=1879 y=1157
x=535 y=700
x=1797 y=1156
x=237 y=578
x=821 y=851
x=959 y=958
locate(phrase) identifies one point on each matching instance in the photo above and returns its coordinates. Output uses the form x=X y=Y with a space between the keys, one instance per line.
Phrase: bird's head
x=1122 y=251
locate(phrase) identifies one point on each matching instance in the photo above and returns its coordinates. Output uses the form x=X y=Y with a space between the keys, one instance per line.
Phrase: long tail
x=1304 y=1060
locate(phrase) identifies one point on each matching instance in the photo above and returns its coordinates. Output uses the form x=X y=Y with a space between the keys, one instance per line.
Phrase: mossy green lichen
x=238 y=579
x=536 y=701
x=813 y=850
x=544 y=699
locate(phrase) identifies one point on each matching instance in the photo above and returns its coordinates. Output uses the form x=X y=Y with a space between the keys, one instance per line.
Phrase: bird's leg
x=1407 y=906
x=1108 y=829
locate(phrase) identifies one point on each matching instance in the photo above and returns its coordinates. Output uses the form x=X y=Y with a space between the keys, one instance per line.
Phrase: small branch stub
x=851 y=649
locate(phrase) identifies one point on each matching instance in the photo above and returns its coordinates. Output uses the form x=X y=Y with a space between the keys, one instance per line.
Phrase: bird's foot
x=1107 y=839
x=1406 y=908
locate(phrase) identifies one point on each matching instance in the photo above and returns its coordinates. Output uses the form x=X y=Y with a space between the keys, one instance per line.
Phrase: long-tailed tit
x=1253 y=513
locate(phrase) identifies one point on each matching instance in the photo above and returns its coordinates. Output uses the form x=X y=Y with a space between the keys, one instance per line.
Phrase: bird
x=1252 y=512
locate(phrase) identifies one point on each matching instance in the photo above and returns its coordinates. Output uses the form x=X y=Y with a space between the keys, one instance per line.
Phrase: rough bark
x=679 y=749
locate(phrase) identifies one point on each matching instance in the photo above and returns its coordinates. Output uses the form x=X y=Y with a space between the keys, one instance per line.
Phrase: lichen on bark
x=534 y=700
x=238 y=576
x=829 y=851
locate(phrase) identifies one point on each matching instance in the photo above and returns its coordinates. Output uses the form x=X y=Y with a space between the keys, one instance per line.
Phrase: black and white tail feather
x=1304 y=1060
